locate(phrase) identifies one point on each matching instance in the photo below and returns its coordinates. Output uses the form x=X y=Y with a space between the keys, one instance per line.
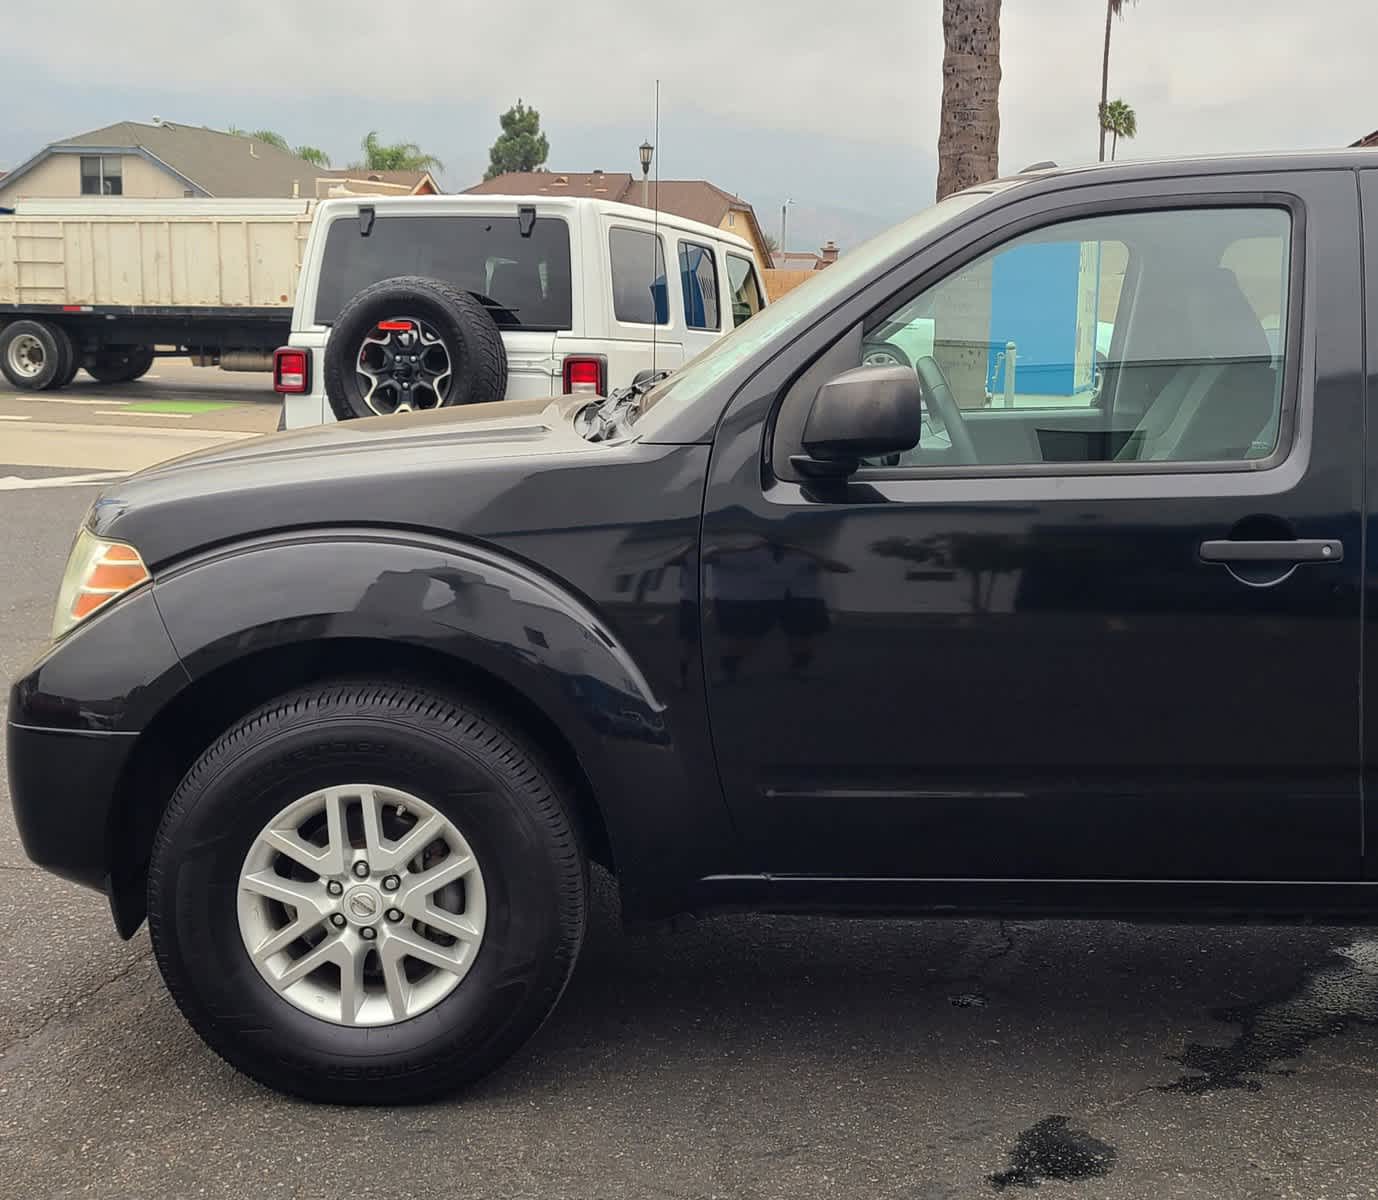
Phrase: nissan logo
x=363 y=905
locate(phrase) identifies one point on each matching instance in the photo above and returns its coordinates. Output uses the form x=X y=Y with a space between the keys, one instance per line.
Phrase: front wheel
x=367 y=894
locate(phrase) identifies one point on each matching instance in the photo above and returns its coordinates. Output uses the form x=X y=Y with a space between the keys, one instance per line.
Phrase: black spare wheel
x=119 y=364
x=412 y=343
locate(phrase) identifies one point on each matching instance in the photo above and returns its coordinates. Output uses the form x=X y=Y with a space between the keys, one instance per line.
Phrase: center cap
x=362 y=905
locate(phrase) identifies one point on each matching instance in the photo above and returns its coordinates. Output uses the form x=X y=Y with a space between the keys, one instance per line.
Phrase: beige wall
x=744 y=227
x=58 y=177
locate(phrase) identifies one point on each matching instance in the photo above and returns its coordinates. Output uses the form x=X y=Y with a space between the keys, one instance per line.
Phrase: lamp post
x=647 y=150
x=784 y=218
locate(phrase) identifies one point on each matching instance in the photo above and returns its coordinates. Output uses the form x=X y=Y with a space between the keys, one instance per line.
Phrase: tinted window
x=1133 y=337
x=698 y=273
x=639 y=296
x=746 y=289
x=524 y=281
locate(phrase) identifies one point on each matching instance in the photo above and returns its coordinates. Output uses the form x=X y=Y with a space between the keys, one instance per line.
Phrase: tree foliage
x=313 y=154
x=521 y=146
x=270 y=137
x=1120 y=122
x=397 y=156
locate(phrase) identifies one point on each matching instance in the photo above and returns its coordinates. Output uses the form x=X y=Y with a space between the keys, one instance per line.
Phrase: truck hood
x=415 y=470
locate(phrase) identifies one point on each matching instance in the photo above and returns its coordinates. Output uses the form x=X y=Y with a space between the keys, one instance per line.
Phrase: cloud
x=833 y=104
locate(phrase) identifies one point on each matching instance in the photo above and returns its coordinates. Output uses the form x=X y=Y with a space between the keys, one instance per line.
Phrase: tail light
x=586 y=373
x=291 y=370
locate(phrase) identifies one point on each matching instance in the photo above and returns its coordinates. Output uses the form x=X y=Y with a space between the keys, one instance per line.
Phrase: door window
x=698 y=273
x=747 y=299
x=639 y=295
x=1127 y=338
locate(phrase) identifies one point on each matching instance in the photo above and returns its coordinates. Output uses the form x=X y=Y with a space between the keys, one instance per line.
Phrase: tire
x=33 y=354
x=119 y=364
x=884 y=354
x=477 y=776
x=458 y=323
x=70 y=371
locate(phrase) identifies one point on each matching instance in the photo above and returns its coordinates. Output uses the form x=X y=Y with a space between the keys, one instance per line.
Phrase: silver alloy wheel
x=361 y=905
x=26 y=355
x=406 y=364
x=878 y=356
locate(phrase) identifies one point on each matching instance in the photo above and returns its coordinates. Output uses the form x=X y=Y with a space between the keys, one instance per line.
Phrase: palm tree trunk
x=1114 y=141
x=1104 y=78
x=969 y=133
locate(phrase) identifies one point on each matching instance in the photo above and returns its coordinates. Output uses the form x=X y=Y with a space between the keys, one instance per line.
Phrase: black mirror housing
x=863 y=413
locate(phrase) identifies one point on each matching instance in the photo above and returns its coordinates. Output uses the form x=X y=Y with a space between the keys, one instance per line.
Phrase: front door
x=1101 y=625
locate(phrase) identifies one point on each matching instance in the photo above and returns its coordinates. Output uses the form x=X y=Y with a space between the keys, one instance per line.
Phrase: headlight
x=97 y=573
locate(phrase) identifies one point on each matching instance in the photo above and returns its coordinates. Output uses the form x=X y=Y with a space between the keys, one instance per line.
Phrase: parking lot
x=743 y=1057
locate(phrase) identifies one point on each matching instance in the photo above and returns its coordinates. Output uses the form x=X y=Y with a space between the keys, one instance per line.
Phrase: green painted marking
x=176 y=406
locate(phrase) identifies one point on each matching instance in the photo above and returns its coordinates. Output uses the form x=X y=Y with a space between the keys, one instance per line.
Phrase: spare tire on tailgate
x=412 y=343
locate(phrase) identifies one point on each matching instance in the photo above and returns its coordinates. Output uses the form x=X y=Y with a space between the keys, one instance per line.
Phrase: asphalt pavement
x=744 y=1057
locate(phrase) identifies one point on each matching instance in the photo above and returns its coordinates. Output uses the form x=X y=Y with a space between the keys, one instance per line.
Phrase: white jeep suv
x=413 y=303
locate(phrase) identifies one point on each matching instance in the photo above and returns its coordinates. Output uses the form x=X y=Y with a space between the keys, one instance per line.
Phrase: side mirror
x=863 y=413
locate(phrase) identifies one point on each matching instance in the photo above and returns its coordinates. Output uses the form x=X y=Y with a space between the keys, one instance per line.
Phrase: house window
x=101 y=175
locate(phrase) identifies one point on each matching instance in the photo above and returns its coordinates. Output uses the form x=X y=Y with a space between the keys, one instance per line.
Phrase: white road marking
x=16 y=483
x=5 y=418
x=113 y=412
x=63 y=400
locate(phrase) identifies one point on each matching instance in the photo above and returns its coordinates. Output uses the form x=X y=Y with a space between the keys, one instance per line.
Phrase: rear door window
x=698 y=273
x=524 y=281
x=639 y=294
x=747 y=298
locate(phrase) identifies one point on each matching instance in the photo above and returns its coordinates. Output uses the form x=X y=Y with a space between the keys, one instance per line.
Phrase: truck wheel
x=33 y=354
x=412 y=343
x=367 y=893
x=119 y=364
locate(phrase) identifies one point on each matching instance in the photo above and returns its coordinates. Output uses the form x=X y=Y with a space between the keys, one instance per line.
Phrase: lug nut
x=361 y=869
x=338 y=920
x=391 y=883
x=368 y=933
x=334 y=887
x=394 y=914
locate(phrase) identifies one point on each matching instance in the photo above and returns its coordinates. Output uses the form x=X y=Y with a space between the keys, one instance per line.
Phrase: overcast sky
x=833 y=104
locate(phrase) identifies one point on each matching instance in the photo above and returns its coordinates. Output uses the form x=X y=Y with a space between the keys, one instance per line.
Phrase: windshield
x=525 y=281
x=691 y=381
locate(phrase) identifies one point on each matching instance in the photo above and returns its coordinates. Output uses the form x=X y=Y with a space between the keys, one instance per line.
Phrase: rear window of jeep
x=524 y=281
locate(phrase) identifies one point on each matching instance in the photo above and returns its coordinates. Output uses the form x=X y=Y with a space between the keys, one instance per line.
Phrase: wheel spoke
x=416 y=889
x=280 y=939
x=329 y=951
x=415 y=840
x=373 y=828
x=452 y=923
x=394 y=978
x=301 y=852
x=336 y=833
x=352 y=990
x=304 y=897
x=447 y=958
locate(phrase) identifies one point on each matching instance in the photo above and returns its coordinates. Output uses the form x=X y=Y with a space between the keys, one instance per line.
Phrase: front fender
x=484 y=610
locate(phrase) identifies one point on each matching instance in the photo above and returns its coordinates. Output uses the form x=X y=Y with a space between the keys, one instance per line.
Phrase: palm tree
x=1113 y=8
x=969 y=133
x=1119 y=121
x=313 y=154
x=401 y=156
x=270 y=137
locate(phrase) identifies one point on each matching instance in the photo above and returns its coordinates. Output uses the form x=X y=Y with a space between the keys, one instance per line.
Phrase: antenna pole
x=655 y=242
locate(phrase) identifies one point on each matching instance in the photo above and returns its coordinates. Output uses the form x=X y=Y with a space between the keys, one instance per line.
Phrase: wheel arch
x=197 y=715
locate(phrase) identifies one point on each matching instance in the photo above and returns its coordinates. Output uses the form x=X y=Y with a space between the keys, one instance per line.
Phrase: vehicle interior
x=1129 y=338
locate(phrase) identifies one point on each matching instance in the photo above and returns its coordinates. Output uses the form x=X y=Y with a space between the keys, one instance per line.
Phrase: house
x=362 y=181
x=1370 y=140
x=167 y=161
x=806 y=260
x=696 y=199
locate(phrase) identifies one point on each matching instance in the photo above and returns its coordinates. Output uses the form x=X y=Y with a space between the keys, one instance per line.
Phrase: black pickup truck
x=1016 y=564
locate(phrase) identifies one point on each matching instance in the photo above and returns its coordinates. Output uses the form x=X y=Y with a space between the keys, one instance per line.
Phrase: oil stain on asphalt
x=1052 y=1149
x=1325 y=1001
